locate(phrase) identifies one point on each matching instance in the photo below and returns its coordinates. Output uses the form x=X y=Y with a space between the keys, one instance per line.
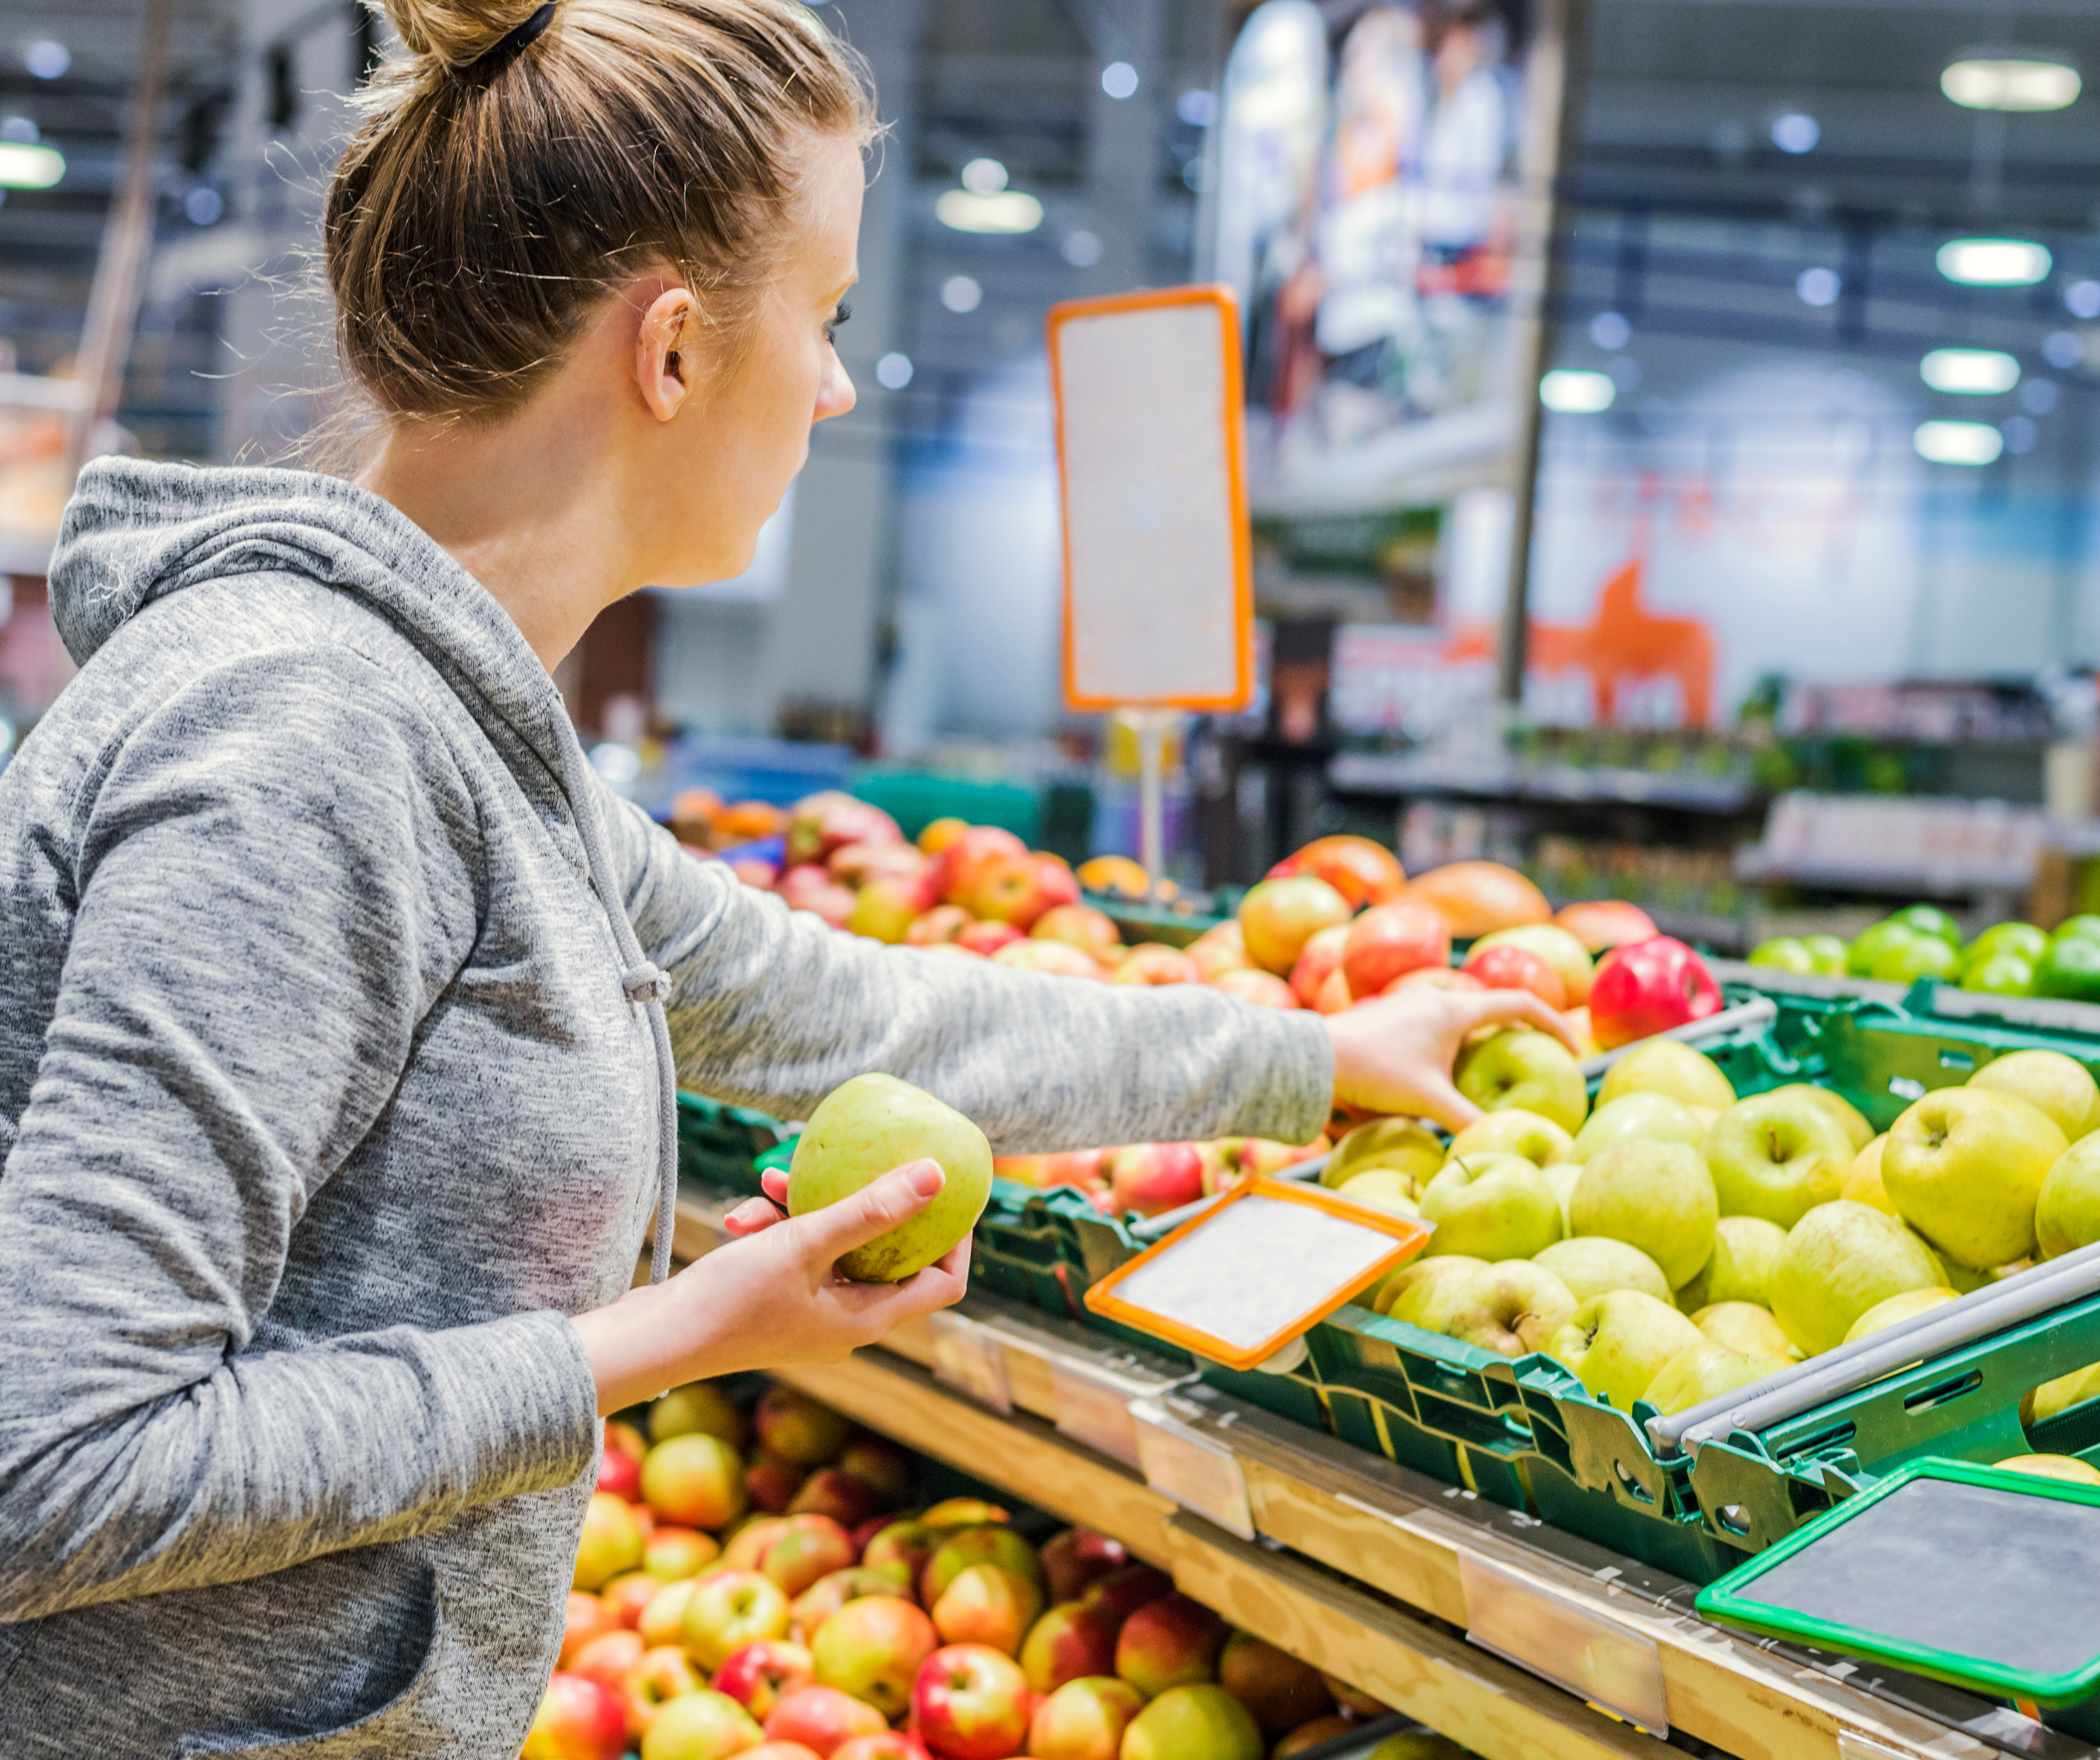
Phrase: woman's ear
x=661 y=372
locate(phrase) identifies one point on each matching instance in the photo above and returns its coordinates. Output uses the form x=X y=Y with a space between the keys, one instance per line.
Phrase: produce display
x=756 y=1583
x=2014 y=959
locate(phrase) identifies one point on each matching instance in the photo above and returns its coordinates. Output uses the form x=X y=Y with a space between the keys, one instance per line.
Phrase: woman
x=335 y=1075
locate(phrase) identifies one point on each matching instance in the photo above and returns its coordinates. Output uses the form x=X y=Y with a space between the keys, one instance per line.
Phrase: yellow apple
x=1617 y=1343
x=1591 y=1264
x=1887 y=1313
x=1415 y=1292
x=1746 y=1327
x=1656 y=1117
x=1400 y=1144
x=1704 y=1372
x=1777 y=1155
x=1838 y=1107
x=2068 y=1211
x=1657 y=1196
x=1668 y=1066
x=1514 y=1131
x=1562 y=1175
x=1863 y=1180
x=1383 y=1189
x=1965 y=1167
x=1490 y=1206
x=2060 y=1394
x=1840 y=1259
x=2060 y=1085
x=1746 y=1249
x=1522 y=1066
x=2065 y=1467
x=1511 y=1308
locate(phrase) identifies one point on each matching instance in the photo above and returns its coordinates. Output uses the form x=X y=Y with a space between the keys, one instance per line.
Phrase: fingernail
x=926 y=1177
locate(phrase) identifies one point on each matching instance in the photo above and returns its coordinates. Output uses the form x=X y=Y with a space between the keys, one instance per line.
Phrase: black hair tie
x=512 y=43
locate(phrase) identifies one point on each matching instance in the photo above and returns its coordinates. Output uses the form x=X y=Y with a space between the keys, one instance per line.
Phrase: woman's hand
x=773 y=1297
x=1394 y=1054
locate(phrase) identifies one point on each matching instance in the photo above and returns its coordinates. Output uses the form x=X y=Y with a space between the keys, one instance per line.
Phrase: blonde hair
x=501 y=185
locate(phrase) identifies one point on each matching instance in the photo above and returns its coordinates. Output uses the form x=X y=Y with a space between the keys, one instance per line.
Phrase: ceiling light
x=1083 y=249
x=2020 y=435
x=961 y=293
x=23 y=166
x=1972 y=372
x=1197 y=107
x=984 y=177
x=1610 y=330
x=1794 y=133
x=2082 y=299
x=47 y=59
x=1567 y=392
x=1958 y=442
x=1119 y=79
x=1819 y=286
x=2064 y=348
x=2009 y=81
x=1993 y=262
x=893 y=373
x=1006 y=211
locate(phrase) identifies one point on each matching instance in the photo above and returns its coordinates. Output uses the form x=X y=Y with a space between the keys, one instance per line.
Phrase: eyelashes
x=838 y=317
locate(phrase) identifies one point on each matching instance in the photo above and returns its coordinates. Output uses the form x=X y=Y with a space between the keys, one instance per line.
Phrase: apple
x=1434 y=977
x=1316 y=1734
x=1321 y=959
x=939 y=834
x=2066 y=1467
x=1668 y=1066
x=2067 y=1208
x=584 y=1618
x=1590 y=1264
x=745 y=1544
x=700 y=1726
x=760 y=1674
x=771 y=1482
x=1617 y=1343
x=1645 y=988
x=1657 y=1196
x=1054 y=957
x=1149 y=1179
x=1168 y=1642
x=1746 y=1250
x=872 y=1649
x=610 y=1544
x=830 y=1492
x=885 y=910
x=935 y=928
x=1477 y=898
x=1601 y=924
x=2060 y=1394
x=1656 y=1117
x=1333 y=996
x=822 y=1719
x=1522 y=1066
x=1075 y=1559
x=987 y=937
x=1745 y=1327
x=1898 y=1308
x=1388 y=942
x=988 y=1543
x=664 y=1619
x=1514 y=1131
x=860 y=1130
x=1704 y=1372
x=960 y=865
x=963 y=1512
x=1562 y=1175
x=693 y=1481
x=610 y=1657
x=626 y=1597
x=819 y=824
x=1383 y=1189
x=1094 y=933
x=2059 y=1085
x=1116 y=1598
x=662 y=1675
x=1262 y=989
x=622 y=1437
x=1965 y=1167
x=1840 y=1259
x=1020 y=890
x=1363 y=873
x=1400 y=1144
x=1196 y=1719
x=1153 y=962
x=1416 y=1294
x=1777 y=1155
x=1863 y=1180
x=1511 y=1308
x=729 y=1609
x=971 y=1703
x=987 y=1605
x=619 y=1475
x=904 y=1546
x=1073 y=1640
x=1221 y=949
x=670 y=1554
x=1264 y=1154
x=891 y=1744
x=1277 y=918
x=831 y=1591
x=1280 y=1692
x=1083 y=1719
x=1491 y=1207
x=577 y=1719
x=883 y=1467
x=1504 y=967
x=806 y=1548
x=1560 y=950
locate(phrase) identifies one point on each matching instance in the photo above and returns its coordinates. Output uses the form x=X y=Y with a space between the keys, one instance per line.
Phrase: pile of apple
x=779 y=1606
x=1922 y=941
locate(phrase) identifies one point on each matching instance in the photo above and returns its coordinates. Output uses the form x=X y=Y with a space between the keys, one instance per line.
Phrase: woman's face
x=737 y=441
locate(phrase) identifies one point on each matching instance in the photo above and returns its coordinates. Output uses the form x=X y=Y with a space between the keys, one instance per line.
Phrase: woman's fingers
x=1439 y=1100
x=940 y=1285
x=750 y=1216
x=877 y=1209
x=1511 y=1008
x=773 y=1183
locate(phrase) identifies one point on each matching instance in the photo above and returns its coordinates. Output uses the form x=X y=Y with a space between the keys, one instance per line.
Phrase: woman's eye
x=837 y=318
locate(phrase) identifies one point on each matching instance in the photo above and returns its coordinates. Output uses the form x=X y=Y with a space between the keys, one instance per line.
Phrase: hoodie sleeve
x=269 y=895
x=773 y=1008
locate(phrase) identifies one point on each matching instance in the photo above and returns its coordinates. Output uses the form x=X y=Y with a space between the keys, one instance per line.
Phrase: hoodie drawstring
x=644 y=982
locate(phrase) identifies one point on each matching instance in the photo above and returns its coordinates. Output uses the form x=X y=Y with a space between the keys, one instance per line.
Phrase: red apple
x=1334 y=995
x=882 y=1466
x=578 y=1719
x=1172 y=1642
x=1055 y=958
x=760 y=1674
x=795 y=1425
x=1149 y=1179
x=868 y=1529
x=1322 y=955
x=695 y=1481
x=662 y=1673
x=1281 y=1691
x=1477 y=897
x=872 y=1649
x=772 y=1482
x=1084 y=1719
x=857 y=864
x=941 y=924
x=1122 y=1594
x=782 y=1750
x=1503 y=965
x=672 y=1553
x=1219 y=950
x=987 y=937
x=1021 y=889
x=664 y=1620
x=1264 y=989
x=754 y=872
x=619 y=1475
x=1153 y=962
x=1602 y=923
x=1558 y=946
x=829 y=1491
x=940 y=833
x=584 y=1619
x=1647 y=987
x=828 y=1593
x=822 y=1719
x=810 y=1547
x=627 y=1439
x=625 y=1597
x=700 y=1726
x=885 y=909
x=798 y=886
x=609 y=1658
x=1092 y=932
x=960 y=865
x=1277 y=918
x=610 y=1545
x=727 y=1611
x=987 y=1605
x=744 y=1547
x=819 y=823
x=1074 y=1639
x=891 y=1744
x=1384 y=943
x=1363 y=873
x=1077 y=1558
x=904 y=1546
x=971 y=1703
x=834 y=904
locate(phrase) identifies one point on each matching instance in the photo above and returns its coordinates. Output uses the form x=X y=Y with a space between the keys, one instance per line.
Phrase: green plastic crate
x=1176 y=924
x=720 y=1145
x=915 y=799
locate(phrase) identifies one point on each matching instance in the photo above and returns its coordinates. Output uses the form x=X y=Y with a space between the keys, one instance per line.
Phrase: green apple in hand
x=1704 y=1372
x=1745 y=1327
x=1617 y=1343
x=2060 y=1085
x=1491 y=1207
x=1522 y=1066
x=1514 y=1131
x=1657 y=1196
x=1745 y=1250
x=1593 y=1264
x=1667 y=1067
x=1511 y=1308
x=1656 y=1117
x=864 y=1128
x=1840 y=1259
x=1965 y=1167
x=1777 y=1155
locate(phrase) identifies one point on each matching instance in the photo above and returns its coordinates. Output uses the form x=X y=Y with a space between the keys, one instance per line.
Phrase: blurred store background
x=1674 y=431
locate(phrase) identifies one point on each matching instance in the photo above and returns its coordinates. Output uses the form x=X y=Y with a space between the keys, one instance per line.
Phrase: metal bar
x=1744 y=1014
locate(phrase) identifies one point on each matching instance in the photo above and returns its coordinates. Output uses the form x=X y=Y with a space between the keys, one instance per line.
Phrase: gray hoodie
x=328 y=1089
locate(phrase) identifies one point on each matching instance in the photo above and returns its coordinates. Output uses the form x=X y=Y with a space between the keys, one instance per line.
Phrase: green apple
x=1887 y=1313
x=2060 y=1085
x=1491 y=1207
x=2069 y=968
x=1617 y=1343
x=1657 y=1196
x=1965 y=1167
x=1863 y=1180
x=1783 y=953
x=2000 y=975
x=1777 y=1155
x=1930 y=920
x=1592 y=1264
x=1746 y=1249
x=1400 y=1144
x=2068 y=1212
x=860 y=1130
x=1522 y=1066
x=1561 y=950
x=1511 y=1308
x=1840 y=1259
x=1656 y=1117
x=1416 y=1293
x=1829 y=951
x=1847 y=1116
x=1871 y=943
x=1562 y=1175
x=1514 y=1131
x=2007 y=940
x=1704 y=1372
x=1383 y=1189
x=1668 y=1066
x=2060 y=1394
x=1746 y=1327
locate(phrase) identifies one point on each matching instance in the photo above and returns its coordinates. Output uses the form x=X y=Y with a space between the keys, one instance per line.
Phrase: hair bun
x=456 y=32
